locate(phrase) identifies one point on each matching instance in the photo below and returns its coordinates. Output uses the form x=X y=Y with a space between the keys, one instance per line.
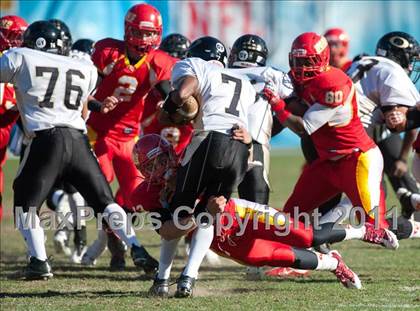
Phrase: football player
x=214 y=163
x=51 y=89
x=338 y=40
x=257 y=246
x=384 y=83
x=179 y=136
x=129 y=68
x=349 y=161
x=11 y=34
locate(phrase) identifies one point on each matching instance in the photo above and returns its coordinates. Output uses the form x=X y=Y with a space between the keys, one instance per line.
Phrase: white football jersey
x=50 y=88
x=384 y=84
x=260 y=116
x=225 y=95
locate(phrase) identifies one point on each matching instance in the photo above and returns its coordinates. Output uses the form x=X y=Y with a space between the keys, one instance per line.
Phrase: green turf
x=391 y=279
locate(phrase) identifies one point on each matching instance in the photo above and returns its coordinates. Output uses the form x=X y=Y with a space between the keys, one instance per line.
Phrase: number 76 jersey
x=225 y=95
x=50 y=88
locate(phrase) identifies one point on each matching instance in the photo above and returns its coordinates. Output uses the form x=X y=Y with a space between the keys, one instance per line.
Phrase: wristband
x=280 y=111
x=94 y=105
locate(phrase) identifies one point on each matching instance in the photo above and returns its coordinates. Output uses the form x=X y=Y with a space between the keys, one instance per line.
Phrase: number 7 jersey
x=225 y=95
x=50 y=88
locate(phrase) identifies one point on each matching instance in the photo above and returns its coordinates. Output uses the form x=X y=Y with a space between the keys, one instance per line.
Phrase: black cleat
x=117 y=263
x=185 y=286
x=38 y=269
x=160 y=288
x=142 y=259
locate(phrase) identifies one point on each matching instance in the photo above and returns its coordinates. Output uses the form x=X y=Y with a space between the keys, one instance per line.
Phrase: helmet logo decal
x=243 y=55
x=399 y=42
x=220 y=47
x=321 y=45
x=130 y=17
x=40 y=43
x=6 y=24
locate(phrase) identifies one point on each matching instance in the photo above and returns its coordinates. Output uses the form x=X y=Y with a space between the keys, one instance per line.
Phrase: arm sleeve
x=93 y=81
x=9 y=65
x=317 y=116
x=182 y=69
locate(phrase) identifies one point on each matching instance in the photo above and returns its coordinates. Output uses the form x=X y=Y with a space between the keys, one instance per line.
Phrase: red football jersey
x=334 y=88
x=416 y=144
x=129 y=82
x=146 y=197
x=178 y=135
x=7 y=101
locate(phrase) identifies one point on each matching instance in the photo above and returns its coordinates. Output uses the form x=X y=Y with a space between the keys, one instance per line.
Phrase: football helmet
x=175 y=45
x=83 y=45
x=309 y=56
x=12 y=28
x=43 y=36
x=154 y=156
x=337 y=38
x=208 y=48
x=248 y=51
x=403 y=49
x=142 y=29
x=65 y=34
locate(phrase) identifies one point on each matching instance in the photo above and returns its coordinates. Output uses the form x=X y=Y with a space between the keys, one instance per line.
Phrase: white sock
x=119 y=224
x=415 y=201
x=33 y=235
x=76 y=200
x=167 y=254
x=200 y=244
x=415 y=233
x=98 y=246
x=353 y=233
x=326 y=262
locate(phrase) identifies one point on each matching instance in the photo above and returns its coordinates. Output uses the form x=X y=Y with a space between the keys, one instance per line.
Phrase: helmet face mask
x=154 y=157
x=11 y=31
x=142 y=30
x=309 y=57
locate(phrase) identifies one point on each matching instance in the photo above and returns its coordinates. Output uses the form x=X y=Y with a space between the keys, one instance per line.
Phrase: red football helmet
x=142 y=29
x=309 y=56
x=154 y=156
x=338 y=41
x=12 y=28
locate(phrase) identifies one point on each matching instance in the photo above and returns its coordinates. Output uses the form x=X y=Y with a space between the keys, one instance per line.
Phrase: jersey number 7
x=53 y=71
x=236 y=94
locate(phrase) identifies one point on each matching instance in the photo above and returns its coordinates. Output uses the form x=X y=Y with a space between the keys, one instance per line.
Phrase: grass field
x=391 y=279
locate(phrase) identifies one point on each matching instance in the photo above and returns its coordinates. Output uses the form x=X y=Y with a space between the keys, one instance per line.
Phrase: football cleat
x=344 y=274
x=38 y=270
x=61 y=241
x=287 y=272
x=380 y=236
x=88 y=261
x=78 y=253
x=117 y=263
x=142 y=259
x=160 y=288
x=185 y=286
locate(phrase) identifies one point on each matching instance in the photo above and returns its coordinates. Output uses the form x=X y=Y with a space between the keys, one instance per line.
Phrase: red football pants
x=358 y=175
x=261 y=246
x=115 y=159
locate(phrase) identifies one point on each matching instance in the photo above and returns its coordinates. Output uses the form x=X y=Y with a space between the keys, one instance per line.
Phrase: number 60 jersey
x=50 y=88
x=225 y=95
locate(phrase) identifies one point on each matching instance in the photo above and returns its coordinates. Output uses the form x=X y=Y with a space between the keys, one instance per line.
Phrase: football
x=187 y=112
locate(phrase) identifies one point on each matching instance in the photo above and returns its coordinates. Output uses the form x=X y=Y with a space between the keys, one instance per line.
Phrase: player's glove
x=172 y=102
x=277 y=104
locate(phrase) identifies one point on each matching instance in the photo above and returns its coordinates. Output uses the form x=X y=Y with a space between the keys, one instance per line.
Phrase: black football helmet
x=248 y=51
x=403 y=49
x=65 y=34
x=83 y=45
x=43 y=36
x=208 y=48
x=175 y=45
